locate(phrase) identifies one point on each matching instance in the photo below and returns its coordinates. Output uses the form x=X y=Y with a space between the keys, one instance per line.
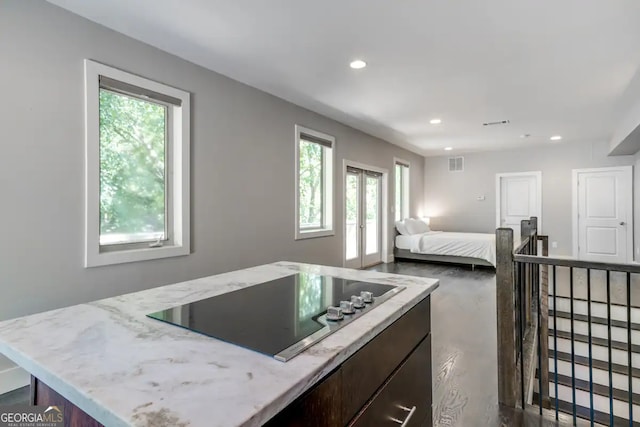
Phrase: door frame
x=628 y=175
x=499 y=176
x=384 y=238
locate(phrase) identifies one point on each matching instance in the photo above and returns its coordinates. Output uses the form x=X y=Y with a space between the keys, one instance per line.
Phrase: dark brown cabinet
x=386 y=383
x=405 y=399
x=43 y=395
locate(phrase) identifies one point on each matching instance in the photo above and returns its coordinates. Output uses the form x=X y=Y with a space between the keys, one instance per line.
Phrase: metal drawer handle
x=404 y=423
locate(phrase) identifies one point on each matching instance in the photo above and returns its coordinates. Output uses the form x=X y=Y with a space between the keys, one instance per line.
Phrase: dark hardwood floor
x=16 y=397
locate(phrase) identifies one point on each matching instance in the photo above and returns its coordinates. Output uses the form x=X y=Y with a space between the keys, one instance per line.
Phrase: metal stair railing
x=522 y=296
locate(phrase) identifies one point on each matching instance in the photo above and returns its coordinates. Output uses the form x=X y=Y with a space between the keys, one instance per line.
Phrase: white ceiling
x=549 y=66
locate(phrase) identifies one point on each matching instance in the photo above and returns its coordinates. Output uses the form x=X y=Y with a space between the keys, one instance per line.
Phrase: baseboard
x=12 y=379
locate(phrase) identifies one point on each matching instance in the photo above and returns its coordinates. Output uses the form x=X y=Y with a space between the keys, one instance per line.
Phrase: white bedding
x=407 y=241
x=472 y=245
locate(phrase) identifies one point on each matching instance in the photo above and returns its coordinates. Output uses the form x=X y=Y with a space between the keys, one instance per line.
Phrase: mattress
x=471 y=245
x=407 y=242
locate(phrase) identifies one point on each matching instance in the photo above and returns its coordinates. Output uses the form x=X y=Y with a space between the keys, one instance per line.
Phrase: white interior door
x=519 y=198
x=363 y=218
x=604 y=214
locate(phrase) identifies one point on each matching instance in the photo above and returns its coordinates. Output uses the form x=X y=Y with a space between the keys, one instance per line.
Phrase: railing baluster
x=521 y=340
x=591 y=410
x=630 y=367
x=555 y=340
x=609 y=347
x=543 y=288
x=528 y=292
x=540 y=389
x=573 y=350
x=517 y=285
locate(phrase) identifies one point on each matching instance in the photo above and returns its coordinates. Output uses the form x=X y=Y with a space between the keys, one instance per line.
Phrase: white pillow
x=416 y=226
x=401 y=226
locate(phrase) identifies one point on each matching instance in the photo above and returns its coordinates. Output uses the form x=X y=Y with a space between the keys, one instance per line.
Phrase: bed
x=449 y=247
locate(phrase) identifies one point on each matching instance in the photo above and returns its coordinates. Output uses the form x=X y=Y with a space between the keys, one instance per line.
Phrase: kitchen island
x=110 y=363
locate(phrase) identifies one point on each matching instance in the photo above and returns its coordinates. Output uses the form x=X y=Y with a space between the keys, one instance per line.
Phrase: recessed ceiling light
x=435 y=121
x=448 y=148
x=358 y=64
x=556 y=138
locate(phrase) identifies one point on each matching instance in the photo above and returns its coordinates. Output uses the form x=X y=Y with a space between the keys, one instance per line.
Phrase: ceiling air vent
x=456 y=164
x=501 y=122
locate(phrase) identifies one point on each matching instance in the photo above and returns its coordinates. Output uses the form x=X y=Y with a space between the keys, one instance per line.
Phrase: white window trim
x=329 y=193
x=406 y=202
x=180 y=158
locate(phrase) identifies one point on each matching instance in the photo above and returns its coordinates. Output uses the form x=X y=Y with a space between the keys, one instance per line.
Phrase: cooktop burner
x=280 y=317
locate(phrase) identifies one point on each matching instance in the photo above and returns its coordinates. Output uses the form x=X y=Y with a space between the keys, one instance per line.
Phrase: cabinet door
x=406 y=398
x=320 y=407
x=368 y=370
x=43 y=395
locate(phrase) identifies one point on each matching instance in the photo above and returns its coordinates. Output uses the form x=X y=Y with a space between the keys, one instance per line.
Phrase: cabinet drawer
x=365 y=372
x=407 y=393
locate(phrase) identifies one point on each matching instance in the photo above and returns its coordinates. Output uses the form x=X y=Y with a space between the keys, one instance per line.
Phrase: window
x=137 y=168
x=402 y=190
x=314 y=183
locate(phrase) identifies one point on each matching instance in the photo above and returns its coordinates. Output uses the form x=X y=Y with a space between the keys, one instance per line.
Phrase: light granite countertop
x=124 y=368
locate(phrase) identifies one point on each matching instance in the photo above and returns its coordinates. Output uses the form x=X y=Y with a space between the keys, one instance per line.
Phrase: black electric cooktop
x=280 y=317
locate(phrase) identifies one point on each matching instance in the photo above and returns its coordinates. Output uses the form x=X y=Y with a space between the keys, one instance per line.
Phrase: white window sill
x=98 y=259
x=311 y=234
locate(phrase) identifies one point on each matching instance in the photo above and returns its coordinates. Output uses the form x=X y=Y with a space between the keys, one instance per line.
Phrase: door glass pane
x=351 y=200
x=398 y=181
x=405 y=191
x=132 y=169
x=371 y=212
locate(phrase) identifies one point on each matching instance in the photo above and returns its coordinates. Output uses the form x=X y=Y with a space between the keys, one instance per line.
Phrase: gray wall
x=451 y=198
x=242 y=165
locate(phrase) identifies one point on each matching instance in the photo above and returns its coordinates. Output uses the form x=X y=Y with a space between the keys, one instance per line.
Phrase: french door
x=363 y=218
